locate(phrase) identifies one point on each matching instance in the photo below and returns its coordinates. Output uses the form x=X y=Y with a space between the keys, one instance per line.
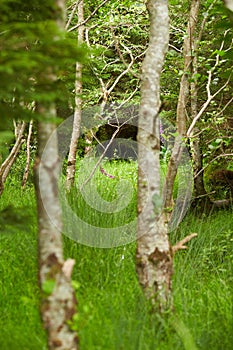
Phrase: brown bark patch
x=57 y=343
x=159 y=256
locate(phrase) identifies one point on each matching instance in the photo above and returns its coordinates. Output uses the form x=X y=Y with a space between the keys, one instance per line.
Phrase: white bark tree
x=58 y=298
x=154 y=256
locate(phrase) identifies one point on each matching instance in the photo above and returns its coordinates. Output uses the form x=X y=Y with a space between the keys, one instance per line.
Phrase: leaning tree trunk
x=154 y=260
x=7 y=164
x=71 y=167
x=58 y=298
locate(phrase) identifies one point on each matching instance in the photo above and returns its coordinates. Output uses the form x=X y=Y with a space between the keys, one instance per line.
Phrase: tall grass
x=20 y=326
x=112 y=311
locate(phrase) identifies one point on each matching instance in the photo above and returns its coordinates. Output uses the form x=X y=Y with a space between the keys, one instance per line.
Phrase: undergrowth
x=112 y=311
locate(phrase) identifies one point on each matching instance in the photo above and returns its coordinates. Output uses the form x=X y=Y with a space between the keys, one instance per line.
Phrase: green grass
x=20 y=326
x=112 y=311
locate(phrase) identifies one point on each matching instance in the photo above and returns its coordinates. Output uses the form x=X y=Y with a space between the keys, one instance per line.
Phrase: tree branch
x=219 y=156
x=72 y=14
x=180 y=245
x=206 y=104
x=210 y=97
x=89 y=17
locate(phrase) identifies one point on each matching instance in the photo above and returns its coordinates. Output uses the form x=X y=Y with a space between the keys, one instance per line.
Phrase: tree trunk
x=58 y=304
x=182 y=106
x=27 y=166
x=58 y=298
x=199 y=189
x=154 y=260
x=71 y=167
x=7 y=164
x=229 y=4
x=188 y=50
x=200 y=195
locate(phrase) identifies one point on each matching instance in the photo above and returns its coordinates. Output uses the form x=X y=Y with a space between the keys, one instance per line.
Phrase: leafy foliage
x=33 y=49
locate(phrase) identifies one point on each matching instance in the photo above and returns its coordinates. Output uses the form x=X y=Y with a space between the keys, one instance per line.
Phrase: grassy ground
x=112 y=312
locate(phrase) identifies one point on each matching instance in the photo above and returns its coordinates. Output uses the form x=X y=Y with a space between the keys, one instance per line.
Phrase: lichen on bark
x=153 y=256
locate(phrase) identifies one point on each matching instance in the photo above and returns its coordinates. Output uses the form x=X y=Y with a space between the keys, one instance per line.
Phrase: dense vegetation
x=112 y=311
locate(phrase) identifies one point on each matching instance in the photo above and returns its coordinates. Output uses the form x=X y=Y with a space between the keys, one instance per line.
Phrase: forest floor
x=112 y=312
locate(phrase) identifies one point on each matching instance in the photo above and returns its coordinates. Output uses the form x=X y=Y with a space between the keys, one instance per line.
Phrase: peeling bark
x=153 y=257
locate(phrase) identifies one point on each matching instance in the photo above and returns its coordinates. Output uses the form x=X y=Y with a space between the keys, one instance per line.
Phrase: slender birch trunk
x=154 y=258
x=58 y=298
x=182 y=106
x=71 y=167
x=58 y=303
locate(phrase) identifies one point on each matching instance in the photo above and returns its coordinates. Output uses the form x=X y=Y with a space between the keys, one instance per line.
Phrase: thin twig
x=219 y=156
x=89 y=17
x=210 y=97
x=100 y=159
x=72 y=14
x=206 y=104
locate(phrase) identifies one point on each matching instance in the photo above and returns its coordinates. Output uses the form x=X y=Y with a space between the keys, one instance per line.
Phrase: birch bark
x=58 y=301
x=58 y=298
x=154 y=260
